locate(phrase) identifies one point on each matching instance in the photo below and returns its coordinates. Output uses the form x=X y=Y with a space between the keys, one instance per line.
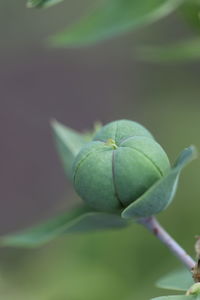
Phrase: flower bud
x=121 y=163
x=194 y=289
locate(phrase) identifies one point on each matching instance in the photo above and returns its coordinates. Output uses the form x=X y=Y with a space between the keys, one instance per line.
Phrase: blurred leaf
x=178 y=297
x=114 y=17
x=42 y=3
x=90 y=134
x=191 y=12
x=44 y=232
x=94 y=221
x=183 y=51
x=159 y=196
x=69 y=143
x=79 y=220
x=178 y=280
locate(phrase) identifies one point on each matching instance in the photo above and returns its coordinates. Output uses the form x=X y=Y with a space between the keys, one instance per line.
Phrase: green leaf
x=190 y=11
x=178 y=280
x=179 y=52
x=95 y=221
x=114 y=17
x=68 y=142
x=177 y=297
x=79 y=220
x=42 y=3
x=159 y=196
x=44 y=232
x=90 y=134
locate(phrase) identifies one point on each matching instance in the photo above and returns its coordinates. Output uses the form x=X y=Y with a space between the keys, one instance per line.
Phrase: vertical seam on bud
x=148 y=158
x=84 y=158
x=79 y=164
x=113 y=169
x=113 y=178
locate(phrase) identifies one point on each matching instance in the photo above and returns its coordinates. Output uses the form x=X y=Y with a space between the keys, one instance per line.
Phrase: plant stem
x=154 y=227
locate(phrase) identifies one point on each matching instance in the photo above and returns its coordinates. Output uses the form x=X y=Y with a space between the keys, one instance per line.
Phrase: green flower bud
x=194 y=289
x=121 y=163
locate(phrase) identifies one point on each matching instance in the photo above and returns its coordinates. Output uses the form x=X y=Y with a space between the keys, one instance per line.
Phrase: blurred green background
x=78 y=87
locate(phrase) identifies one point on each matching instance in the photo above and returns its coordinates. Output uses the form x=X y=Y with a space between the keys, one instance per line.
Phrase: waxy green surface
x=118 y=166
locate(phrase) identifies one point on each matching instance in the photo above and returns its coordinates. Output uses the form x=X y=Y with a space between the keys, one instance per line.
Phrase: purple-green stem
x=154 y=227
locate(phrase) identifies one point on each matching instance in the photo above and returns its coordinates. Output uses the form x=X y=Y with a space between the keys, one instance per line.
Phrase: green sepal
x=177 y=297
x=78 y=220
x=42 y=3
x=180 y=280
x=68 y=144
x=159 y=196
x=114 y=17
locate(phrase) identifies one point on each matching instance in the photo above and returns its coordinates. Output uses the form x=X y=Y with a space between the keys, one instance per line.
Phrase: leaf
x=191 y=12
x=114 y=17
x=178 y=280
x=90 y=134
x=95 y=221
x=42 y=3
x=68 y=142
x=179 y=52
x=79 y=220
x=159 y=196
x=44 y=232
x=177 y=297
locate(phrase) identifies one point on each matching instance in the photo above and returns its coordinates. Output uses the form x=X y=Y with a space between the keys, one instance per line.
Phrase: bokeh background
x=103 y=82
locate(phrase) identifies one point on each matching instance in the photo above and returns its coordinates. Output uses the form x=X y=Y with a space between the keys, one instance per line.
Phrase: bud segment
x=194 y=289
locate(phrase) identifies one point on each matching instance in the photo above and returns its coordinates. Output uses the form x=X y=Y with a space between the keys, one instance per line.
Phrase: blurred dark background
x=103 y=82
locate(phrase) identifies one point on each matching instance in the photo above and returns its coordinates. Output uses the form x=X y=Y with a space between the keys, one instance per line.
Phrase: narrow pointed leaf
x=79 y=220
x=42 y=3
x=178 y=280
x=44 y=232
x=159 y=196
x=179 y=52
x=90 y=134
x=114 y=17
x=97 y=221
x=177 y=297
x=69 y=143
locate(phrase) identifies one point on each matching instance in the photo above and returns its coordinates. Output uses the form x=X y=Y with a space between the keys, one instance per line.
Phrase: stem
x=154 y=227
